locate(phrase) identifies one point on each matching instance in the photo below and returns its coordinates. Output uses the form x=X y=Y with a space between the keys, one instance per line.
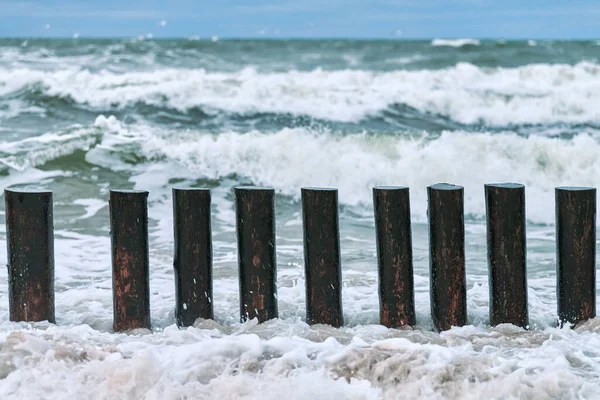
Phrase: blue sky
x=528 y=19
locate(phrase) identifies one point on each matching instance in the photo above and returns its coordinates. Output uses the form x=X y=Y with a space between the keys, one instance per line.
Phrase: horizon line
x=357 y=38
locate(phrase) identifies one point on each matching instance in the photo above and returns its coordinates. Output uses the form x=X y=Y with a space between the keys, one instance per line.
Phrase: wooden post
x=447 y=256
x=130 y=259
x=255 y=210
x=394 y=252
x=322 y=257
x=576 y=253
x=30 y=244
x=507 y=253
x=193 y=255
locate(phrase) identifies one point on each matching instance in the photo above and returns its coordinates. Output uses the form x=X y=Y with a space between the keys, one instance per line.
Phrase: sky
x=508 y=19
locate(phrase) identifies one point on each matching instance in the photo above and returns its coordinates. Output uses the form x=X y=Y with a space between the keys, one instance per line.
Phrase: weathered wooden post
x=394 y=255
x=130 y=259
x=322 y=257
x=507 y=253
x=576 y=253
x=193 y=255
x=30 y=244
x=447 y=256
x=255 y=210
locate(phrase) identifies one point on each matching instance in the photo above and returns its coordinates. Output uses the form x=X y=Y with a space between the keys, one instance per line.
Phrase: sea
x=83 y=116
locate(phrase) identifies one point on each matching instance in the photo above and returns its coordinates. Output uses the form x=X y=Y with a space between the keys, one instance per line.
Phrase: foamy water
x=465 y=93
x=82 y=117
x=455 y=42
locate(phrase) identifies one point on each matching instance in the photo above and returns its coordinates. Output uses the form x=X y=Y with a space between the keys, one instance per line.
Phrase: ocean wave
x=295 y=157
x=533 y=94
x=455 y=42
x=292 y=158
x=37 y=151
x=288 y=358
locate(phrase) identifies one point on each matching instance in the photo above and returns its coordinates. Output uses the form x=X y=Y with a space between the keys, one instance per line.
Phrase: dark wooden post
x=507 y=254
x=447 y=256
x=394 y=252
x=255 y=210
x=30 y=244
x=322 y=257
x=193 y=255
x=576 y=253
x=130 y=259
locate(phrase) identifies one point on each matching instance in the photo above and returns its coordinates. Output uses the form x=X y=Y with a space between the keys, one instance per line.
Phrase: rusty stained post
x=507 y=254
x=30 y=244
x=447 y=256
x=394 y=252
x=193 y=255
x=576 y=253
x=255 y=211
x=322 y=256
x=130 y=259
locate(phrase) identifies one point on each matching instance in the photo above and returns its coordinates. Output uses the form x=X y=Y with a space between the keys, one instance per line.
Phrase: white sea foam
x=225 y=359
x=34 y=151
x=80 y=357
x=292 y=158
x=284 y=359
x=531 y=94
x=455 y=42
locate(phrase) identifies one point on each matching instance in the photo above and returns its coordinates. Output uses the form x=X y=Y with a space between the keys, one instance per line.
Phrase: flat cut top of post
x=191 y=189
x=128 y=191
x=322 y=189
x=390 y=188
x=446 y=186
x=258 y=188
x=576 y=188
x=25 y=190
x=506 y=185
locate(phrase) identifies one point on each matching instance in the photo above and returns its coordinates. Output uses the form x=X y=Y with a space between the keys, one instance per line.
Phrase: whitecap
x=455 y=42
x=532 y=94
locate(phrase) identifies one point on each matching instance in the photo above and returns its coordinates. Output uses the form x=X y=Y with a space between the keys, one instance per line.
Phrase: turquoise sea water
x=82 y=116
